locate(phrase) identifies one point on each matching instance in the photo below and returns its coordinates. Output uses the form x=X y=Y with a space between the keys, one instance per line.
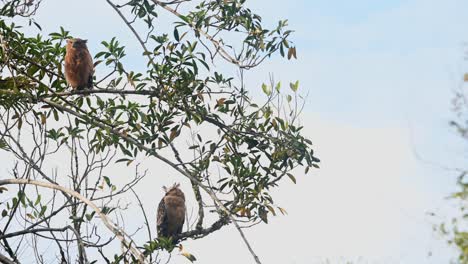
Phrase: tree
x=132 y=115
x=457 y=231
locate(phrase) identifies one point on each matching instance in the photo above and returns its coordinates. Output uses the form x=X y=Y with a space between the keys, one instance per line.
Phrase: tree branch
x=32 y=231
x=216 y=43
x=153 y=152
x=199 y=233
x=106 y=221
x=195 y=188
x=142 y=43
x=5 y=260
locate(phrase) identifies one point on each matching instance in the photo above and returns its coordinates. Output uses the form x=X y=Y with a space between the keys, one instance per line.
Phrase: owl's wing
x=162 y=219
x=89 y=60
x=90 y=81
x=179 y=230
x=90 y=66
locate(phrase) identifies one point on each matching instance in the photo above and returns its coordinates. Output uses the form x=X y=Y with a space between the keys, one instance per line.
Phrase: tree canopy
x=183 y=110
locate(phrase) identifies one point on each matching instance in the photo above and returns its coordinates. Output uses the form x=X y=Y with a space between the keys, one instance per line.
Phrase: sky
x=379 y=76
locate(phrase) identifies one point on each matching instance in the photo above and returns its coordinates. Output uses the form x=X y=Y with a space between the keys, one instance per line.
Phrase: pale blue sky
x=379 y=76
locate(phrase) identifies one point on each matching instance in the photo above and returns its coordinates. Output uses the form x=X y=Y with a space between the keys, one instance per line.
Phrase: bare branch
x=5 y=260
x=106 y=221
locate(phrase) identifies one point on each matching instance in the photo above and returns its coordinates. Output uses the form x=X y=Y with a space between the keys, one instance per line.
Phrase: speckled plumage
x=171 y=212
x=78 y=64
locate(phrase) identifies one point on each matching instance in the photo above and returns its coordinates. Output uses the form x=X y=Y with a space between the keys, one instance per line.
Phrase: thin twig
x=142 y=43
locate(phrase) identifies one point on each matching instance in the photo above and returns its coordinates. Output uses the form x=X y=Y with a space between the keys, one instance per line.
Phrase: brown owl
x=171 y=212
x=78 y=64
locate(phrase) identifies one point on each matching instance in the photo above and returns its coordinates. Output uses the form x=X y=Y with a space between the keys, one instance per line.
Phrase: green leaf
x=262 y=213
x=266 y=89
x=43 y=210
x=294 y=86
x=293 y=179
x=271 y=209
x=90 y=215
x=122 y=160
x=38 y=200
x=107 y=180
x=278 y=86
x=176 y=34
x=55 y=112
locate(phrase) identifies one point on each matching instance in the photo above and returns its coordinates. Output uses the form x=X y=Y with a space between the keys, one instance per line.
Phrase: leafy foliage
x=456 y=230
x=255 y=144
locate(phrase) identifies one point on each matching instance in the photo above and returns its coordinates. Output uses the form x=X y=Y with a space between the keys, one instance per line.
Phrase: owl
x=171 y=212
x=78 y=64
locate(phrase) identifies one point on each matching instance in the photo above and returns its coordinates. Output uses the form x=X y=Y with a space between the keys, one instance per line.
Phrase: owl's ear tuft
x=164 y=188
x=85 y=41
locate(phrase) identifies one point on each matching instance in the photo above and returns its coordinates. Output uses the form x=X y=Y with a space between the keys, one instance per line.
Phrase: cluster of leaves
x=460 y=232
x=30 y=66
x=456 y=230
x=36 y=208
x=213 y=18
x=168 y=245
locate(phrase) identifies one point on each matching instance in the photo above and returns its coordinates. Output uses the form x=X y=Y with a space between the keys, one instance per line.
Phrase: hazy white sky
x=379 y=76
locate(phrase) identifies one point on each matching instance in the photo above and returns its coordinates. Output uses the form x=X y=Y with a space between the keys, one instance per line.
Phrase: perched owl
x=171 y=212
x=78 y=64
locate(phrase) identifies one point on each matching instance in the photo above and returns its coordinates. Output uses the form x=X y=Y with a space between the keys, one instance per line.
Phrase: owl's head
x=174 y=191
x=76 y=43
